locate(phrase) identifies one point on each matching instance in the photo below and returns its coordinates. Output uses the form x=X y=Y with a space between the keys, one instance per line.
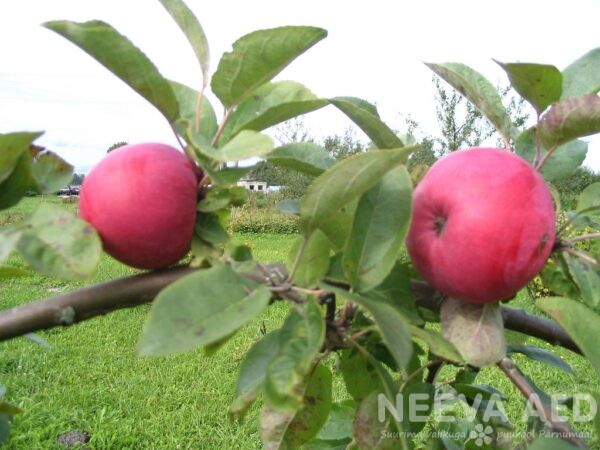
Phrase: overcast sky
x=374 y=51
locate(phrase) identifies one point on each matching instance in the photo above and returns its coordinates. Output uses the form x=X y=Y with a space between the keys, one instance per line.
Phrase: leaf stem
x=226 y=117
x=545 y=158
x=538 y=143
x=410 y=377
x=523 y=385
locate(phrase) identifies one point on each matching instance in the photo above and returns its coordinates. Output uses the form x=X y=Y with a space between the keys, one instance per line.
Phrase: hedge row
x=254 y=220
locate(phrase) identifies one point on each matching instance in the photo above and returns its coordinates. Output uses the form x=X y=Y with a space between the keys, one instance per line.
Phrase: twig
x=506 y=142
x=583 y=237
x=92 y=301
x=433 y=371
x=561 y=427
x=580 y=254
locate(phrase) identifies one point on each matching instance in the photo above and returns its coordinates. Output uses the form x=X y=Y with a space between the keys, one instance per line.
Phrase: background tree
x=78 y=178
x=340 y=147
x=462 y=125
x=570 y=187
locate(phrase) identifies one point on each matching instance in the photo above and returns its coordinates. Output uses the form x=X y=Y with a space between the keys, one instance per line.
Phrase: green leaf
x=380 y=225
x=259 y=56
x=539 y=354
x=587 y=278
x=246 y=144
x=394 y=328
x=218 y=198
x=438 y=344
x=556 y=276
x=409 y=395
x=314 y=260
x=396 y=290
x=14 y=188
x=189 y=24
x=209 y=228
x=282 y=430
x=582 y=76
x=115 y=52
x=369 y=432
x=476 y=330
x=4 y=427
x=479 y=91
x=365 y=115
x=360 y=376
x=300 y=341
x=305 y=157
x=289 y=206
x=569 y=119
x=339 y=422
x=229 y=175
x=596 y=397
x=253 y=372
x=539 y=84
x=581 y=323
x=548 y=443
x=269 y=105
x=58 y=243
x=589 y=198
x=471 y=391
x=187 y=98
x=337 y=227
x=315 y=409
x=346 y=181
x=12 y=146
x=561 y=163
x=200 y=309
x=51 y=172
x=8 y=242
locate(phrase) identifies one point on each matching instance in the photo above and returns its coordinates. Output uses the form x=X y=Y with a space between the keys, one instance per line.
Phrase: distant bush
x=255 y=220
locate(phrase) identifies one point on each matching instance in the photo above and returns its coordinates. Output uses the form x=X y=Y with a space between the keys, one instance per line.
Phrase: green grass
x=92 y=380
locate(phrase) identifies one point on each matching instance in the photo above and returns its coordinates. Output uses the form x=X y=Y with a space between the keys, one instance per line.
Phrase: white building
x=253 y=185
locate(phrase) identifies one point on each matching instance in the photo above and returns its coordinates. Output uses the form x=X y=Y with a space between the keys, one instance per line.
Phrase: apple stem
x=547 y=415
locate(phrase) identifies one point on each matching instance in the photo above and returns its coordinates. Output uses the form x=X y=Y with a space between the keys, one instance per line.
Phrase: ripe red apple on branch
x=483 y=225
x=142 y=201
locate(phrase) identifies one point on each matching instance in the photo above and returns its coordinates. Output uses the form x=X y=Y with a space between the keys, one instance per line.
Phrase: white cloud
x=374 y=50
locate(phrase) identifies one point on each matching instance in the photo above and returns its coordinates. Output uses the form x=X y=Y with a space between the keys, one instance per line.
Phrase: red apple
x=483 y=225
x=141 y=199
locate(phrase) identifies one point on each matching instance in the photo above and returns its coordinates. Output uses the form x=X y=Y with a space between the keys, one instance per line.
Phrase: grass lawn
x=92 y=380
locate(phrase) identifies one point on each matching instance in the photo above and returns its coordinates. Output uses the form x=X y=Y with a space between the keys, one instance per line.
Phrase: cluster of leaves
x=348 y=289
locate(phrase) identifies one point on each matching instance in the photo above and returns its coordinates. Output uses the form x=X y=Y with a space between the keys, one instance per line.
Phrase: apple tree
x=357 y=307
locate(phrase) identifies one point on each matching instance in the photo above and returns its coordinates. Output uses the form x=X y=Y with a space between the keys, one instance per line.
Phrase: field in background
x=91 y=379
